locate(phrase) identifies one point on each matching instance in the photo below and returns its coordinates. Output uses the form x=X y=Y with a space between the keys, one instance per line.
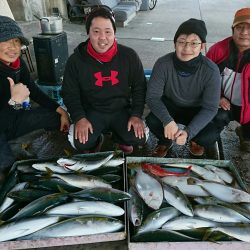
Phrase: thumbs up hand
x=19 y=92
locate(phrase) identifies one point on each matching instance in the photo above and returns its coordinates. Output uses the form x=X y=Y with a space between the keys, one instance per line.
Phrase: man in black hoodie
x=16 y=88
x=104 y=88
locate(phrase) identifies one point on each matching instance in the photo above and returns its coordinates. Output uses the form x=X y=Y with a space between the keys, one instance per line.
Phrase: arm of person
x=209 y=105
x=71 y=91
x=155 y=91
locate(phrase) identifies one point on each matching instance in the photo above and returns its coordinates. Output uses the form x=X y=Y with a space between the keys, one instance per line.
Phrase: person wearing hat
x=17 y=116
x=104 y=88
x=232 y=55
x=183 y=94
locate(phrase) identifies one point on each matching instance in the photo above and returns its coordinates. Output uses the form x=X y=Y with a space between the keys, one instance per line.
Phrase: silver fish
x=219 y=213
x=83 y=181
x=79 y=226
x=186 y=222
x=149 y=189
x=83 y=165
x=156 y=219
x=43 y=166
x=221 y=191
x=114 y=162
x=181 y=183
x=24 y=227
x=177 y=199
x=87 y=207
x=9 y=201
x=221 y=173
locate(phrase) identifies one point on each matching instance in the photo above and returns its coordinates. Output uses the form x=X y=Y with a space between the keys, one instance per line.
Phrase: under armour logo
x=101 y=79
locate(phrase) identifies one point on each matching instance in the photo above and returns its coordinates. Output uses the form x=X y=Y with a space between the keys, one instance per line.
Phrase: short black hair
x=100 y=11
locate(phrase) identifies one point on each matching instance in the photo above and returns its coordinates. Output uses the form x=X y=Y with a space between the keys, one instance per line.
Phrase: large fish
x=41 y=205
x=219 y=213
x=24 y=227
x=83 y=165
x=54 y=167
x=83 y=181
x=102 y=194
x=149 y=189
x=238 y=232
x=79 y=226
x=135 y=208
x=221 y=191
x=201 y=171
x=156 y=219
x=181 y=183
x=9 y=201
x=222 y=173
x=177 y=199
x=187 y=222
x=87 y=207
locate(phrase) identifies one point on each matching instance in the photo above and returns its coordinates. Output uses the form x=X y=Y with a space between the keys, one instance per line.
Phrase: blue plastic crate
x=54 y=92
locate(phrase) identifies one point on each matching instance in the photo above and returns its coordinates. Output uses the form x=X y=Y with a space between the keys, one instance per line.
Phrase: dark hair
x=100 y=11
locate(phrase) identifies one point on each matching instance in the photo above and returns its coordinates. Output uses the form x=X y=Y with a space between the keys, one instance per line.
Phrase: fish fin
x=49 y=173
x=67 y=152
x=2 y=222
x=61 y=190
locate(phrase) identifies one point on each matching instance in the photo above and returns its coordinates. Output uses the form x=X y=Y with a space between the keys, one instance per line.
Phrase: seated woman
x=184 y=88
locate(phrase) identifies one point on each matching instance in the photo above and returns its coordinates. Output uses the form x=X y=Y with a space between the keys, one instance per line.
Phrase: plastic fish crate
x=194 y=245
x=73 y=240
x=54 y=92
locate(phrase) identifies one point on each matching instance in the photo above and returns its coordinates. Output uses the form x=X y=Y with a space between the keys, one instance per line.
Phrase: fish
x=221 y=191
x=87 y=207
x=162 y=235
x=238 y=232
x=135 y=208
x=24 y=227
x=221 y=173
x=79 y=226
x=83 y=181
x=8 y=201
x=111 y=178
x=41 y=205
x=83 y=165
x=156 y=219
x=114 y=162
x=177 y=199
x=149 y=189
x=201 y=171
x=158 y=171
x=102 y=194
x=187 y=222
x=28 y=195
x=181 y=183
x=44 y=166
x=219 y=213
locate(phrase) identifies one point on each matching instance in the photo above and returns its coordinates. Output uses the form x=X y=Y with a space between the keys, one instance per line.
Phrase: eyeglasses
x=184 y=44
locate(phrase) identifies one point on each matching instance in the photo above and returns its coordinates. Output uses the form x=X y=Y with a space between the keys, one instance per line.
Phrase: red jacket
x=218 y=53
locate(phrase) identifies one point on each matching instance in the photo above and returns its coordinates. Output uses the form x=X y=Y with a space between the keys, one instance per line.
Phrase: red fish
x=158 y=171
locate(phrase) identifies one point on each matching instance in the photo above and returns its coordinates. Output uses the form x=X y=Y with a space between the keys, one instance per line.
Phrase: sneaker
x=244 y=142
x=99 y=144
x=195 y=149
x=127 y=149
x=162 y=150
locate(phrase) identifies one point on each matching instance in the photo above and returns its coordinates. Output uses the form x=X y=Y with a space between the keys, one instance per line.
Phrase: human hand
x=65 y=123
x=82 y=129
x=170 y=130
x=137 y=125
x=181 y=137
x=19 y=92
x=225 y=104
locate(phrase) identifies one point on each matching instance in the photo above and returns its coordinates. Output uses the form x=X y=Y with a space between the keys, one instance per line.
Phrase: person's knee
x=222 y=118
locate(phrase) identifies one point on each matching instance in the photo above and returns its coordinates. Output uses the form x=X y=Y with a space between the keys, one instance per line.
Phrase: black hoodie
x=89 y=84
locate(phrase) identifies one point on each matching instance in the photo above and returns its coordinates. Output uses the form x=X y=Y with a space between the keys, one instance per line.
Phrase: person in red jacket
x=232 y=55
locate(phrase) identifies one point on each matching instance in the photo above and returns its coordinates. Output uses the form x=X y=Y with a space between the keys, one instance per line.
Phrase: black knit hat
x=9 y=30
x=100 y=11
x=190 y=26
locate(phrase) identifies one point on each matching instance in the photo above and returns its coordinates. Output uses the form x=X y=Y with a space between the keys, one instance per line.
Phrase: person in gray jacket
x=184 y=88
